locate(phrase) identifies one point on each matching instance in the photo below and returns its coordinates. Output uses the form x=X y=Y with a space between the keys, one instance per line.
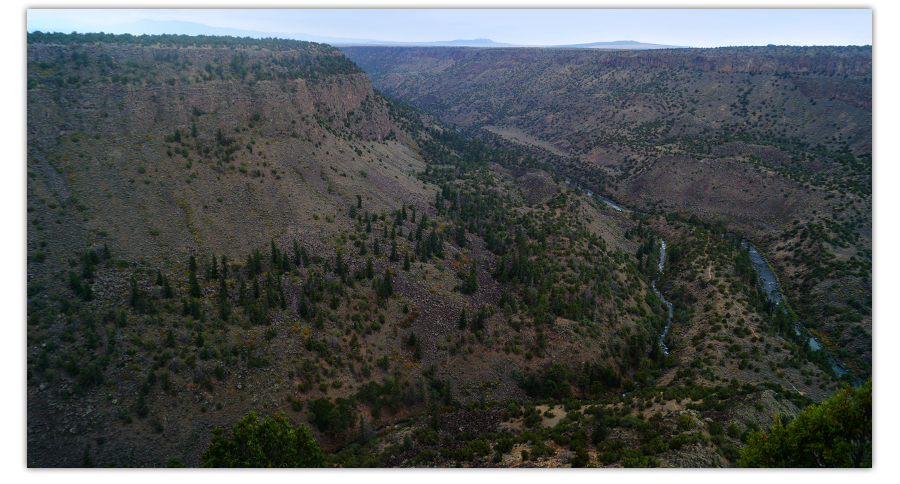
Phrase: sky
x=704 y=27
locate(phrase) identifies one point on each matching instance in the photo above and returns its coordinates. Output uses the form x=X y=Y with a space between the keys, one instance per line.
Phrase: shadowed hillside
x=775 y=142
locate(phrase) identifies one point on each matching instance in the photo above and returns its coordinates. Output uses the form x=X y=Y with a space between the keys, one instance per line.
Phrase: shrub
x=835 y=433
x=267 y=443
x=686 y=422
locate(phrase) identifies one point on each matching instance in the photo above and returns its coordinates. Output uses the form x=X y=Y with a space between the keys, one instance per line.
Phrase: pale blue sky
x=683 y=27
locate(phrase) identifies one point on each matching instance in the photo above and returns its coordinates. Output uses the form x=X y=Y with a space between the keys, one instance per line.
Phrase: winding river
x=767 y=280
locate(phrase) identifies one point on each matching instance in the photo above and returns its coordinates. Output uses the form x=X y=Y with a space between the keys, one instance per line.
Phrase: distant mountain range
x=176 y=27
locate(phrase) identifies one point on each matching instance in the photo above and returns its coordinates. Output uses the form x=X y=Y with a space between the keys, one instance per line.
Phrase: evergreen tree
x=834 y=433
x=224 y=304
x=370 y=269
x=167 y=288
x=223 y=288
x=470 y=284
x=462 y=319
x=406 y=262
x=194 y=286
x=394 y=257
x=268 y=443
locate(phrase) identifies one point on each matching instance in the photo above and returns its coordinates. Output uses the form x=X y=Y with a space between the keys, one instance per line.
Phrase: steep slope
x=217 y=226
x=774 y=142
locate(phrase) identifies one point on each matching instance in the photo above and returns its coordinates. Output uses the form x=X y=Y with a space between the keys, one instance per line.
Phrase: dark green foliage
x=329 y=417
x=272 y=442
x=470 y=283
x=835 y=433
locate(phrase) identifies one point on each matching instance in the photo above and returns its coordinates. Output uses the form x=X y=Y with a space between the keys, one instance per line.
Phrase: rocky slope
x=219 y=226
x=774 y=142
x=158 y=171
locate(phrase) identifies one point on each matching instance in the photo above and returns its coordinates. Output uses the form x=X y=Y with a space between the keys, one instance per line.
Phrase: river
x=769 y=282
x=766 y=278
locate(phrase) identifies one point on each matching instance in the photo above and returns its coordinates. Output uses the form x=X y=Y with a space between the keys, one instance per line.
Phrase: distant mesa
x=176 y=27
x=622 y=44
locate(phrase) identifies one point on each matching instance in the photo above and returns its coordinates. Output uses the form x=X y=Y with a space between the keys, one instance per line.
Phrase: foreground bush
x=835 y=433
x=267 y=443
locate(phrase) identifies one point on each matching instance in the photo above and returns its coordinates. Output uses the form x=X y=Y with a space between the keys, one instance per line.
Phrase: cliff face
x=252 y=127
x=828 y=61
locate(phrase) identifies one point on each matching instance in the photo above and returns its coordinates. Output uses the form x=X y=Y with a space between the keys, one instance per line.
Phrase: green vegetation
x=272 y=442
x=834 y=433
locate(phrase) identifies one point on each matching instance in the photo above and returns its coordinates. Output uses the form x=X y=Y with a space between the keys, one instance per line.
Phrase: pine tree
x=370 y=269
x=194 y=286
x=167 y=288
x=223 y=289
x=224 y=304
x=462 y=319
x=406 y=262
x=394 y=257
